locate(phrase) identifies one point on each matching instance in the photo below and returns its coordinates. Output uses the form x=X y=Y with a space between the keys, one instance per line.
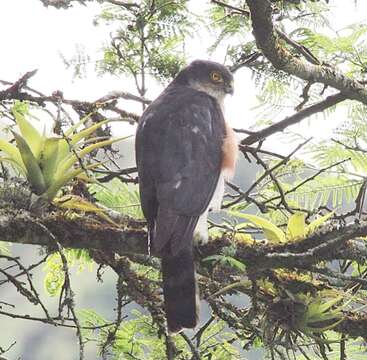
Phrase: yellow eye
x=216 y=76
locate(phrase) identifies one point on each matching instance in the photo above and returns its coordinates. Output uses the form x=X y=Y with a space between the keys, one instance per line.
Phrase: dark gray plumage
x=179 y=156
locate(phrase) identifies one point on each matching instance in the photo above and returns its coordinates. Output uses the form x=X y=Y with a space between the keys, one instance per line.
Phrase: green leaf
x=34 y=173
x=49 y=159
x=86 y=132
x=309 y=329
x=72 y=159
x=69 y=132
x=64 y=179
x=119 y=196
x=32 y=137
x=13 y=152
x=235 y=263
x=11 y=161
x=296 y=226
x=227 y=260
x=328 y=304
x=77 y=203
x=73 y=202
x=213 y=258
x=271 y=231
x=63 y=152
x=318 y=222
x=55 y=276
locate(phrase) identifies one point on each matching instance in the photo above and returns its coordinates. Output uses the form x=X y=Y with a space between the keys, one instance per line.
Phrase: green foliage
x=55 y=276
x=313 y=14
x=271 y=231
x=347 y=47
x=296 y=229
x=231 y=28
x=217 y=343
x=326 y=190
x=304 y=322
x=48 y=162
x=149 y=39
x=226 y=260
x=317 y=183
x=354 y=349
x=119 y=196
x=273 y=98
x=136 y=338
x=340 y=185
x=320 y=314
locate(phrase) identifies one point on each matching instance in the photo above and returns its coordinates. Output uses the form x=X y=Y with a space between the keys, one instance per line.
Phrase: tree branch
x=267 y=41
x=64 y=4
x=108 y=102
x=294 y=119
x=131 y=238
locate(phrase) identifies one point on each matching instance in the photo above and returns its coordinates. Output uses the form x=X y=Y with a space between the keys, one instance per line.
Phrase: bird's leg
x=201 y=231
x=216 y=202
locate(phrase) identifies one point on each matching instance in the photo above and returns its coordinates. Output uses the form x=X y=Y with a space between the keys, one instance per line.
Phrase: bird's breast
x=229 y=153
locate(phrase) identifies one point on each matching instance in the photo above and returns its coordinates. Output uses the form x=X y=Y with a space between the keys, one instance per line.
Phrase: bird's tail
x=179 y=288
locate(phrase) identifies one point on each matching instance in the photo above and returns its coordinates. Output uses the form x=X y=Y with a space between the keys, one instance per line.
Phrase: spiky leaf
x=34 y=173
x=271 y=231
x=30 y=134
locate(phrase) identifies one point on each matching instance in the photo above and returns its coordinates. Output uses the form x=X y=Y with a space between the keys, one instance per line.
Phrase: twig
x=294 y=119
x=294 y=188
x=249 y=149
x=275 y=181
x=25 y=271
x=237 y=9
x=112 y=335
x=19 y=84
x=113 y=95
x=305 y=95
x=265 y=174
x=81 y=107
x=329 y=273
x=52 y=321
x=35 y=298
x=300 y=48
x=20 y=288
x=118 y=174
x=69 y=295
x=3 y=351
x=201 y=331
x=348 y=147
x=194 y=351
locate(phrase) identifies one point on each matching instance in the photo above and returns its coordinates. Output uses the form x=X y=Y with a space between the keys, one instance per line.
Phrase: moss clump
x=14 y=195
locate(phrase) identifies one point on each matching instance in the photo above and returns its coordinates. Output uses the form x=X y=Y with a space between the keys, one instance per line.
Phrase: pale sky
x=34 y=36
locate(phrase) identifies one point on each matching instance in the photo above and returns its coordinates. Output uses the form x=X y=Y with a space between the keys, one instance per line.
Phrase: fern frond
x=119 y=196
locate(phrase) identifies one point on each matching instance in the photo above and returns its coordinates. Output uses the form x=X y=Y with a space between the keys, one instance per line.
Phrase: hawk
x=184 y=152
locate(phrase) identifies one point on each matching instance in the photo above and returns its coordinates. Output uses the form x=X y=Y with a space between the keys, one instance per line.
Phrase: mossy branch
x=130 y=238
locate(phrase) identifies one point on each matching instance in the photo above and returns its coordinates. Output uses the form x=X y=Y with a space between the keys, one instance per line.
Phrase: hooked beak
x=229 y=89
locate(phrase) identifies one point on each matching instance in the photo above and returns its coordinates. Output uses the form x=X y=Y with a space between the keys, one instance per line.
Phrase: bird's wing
x=178 y=146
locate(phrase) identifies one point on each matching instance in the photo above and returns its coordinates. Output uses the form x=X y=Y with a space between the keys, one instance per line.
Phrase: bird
x=184 y=152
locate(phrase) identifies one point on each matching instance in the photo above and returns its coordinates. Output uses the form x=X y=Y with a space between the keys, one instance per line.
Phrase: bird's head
x=208 y=76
